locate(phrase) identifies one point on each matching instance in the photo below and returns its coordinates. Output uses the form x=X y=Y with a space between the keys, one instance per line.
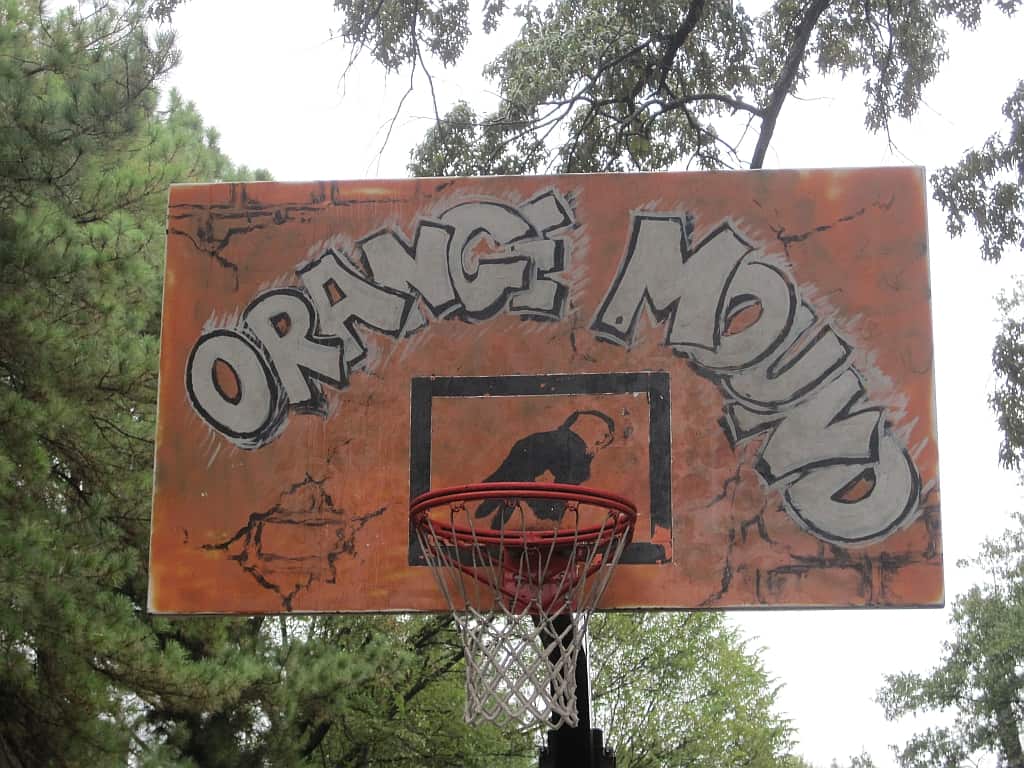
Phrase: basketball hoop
x=522 y=566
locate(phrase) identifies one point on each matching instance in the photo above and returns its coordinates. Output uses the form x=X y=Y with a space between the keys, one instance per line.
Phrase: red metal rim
x=622 y=511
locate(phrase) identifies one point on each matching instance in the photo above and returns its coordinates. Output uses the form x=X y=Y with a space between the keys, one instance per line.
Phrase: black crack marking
x=257 y=216
x=336 y=449
x=726 y=580
x=307 y=509
x=887 y=205
x=758 y=523
x=930 y=516
x=728 y=488
x=576 y=326
x=874 y=573
x=780 y=232
x=775 y=579
x=202 y=242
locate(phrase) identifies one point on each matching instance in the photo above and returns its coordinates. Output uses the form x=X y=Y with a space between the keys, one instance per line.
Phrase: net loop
x=522 y=567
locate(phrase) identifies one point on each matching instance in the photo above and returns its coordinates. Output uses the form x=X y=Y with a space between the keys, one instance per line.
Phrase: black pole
x=582 y=746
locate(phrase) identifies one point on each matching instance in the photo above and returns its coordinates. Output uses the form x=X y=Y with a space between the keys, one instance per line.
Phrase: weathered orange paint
x=320 y=513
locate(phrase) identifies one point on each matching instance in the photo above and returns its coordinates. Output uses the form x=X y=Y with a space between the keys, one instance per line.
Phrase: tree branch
x=675 y=42
x=787 y=77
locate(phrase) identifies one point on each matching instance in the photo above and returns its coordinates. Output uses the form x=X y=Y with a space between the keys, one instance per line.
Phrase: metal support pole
x=582 y=746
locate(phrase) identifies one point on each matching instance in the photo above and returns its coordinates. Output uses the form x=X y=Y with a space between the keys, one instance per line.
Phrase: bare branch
x=675 y=42
x=787 y=77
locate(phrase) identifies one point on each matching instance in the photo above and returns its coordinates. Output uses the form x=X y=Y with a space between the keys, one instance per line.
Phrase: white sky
x=267 y=76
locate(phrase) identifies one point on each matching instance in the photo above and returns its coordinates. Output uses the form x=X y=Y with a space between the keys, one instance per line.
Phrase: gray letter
x=342 y=297
x=251 y=414
x=753 y=284
x=484 y=290
x=822 y=430
x=546 y=295
x=659 y=270
x=795 y=368
x=422 y=267
x=547 y=212
x=818 y=499
x=284 y=322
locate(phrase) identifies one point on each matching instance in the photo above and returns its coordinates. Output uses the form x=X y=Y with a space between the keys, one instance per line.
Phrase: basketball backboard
x=747 y=356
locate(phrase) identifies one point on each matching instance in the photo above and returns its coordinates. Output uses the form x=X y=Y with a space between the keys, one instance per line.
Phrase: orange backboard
x=747 y=356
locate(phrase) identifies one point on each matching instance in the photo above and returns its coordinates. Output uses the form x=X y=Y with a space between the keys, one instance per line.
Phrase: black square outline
x=655 y=384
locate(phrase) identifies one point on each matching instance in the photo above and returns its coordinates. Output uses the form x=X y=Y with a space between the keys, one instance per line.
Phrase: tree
x=1008 y=363
x=682 y=689
x=986 y=189
x=985 y=186
x=375 y=690
x=592 y=85
x=863 y=760
x=980 y=680
x=86 y=157
x=88 y=677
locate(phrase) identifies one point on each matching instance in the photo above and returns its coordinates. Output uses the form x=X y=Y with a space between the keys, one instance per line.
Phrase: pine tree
x=86 y=158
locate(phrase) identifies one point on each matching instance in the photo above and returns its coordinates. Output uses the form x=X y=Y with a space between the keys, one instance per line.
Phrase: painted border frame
x=653 y=384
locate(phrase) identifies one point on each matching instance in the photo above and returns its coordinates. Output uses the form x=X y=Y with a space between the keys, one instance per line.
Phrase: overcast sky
x=268 y=77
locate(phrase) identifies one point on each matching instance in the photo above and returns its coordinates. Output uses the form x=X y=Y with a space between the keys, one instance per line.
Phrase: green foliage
x=984 y=188
x=980 y=681
x=863 y=760
x=404 y=709
x=1008 y=364
x=598 y=85
x=86 y=159
x=681 y=689
x=463 y=145
x=398 y=32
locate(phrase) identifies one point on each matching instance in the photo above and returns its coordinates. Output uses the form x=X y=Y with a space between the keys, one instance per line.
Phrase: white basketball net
x=522 y=595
